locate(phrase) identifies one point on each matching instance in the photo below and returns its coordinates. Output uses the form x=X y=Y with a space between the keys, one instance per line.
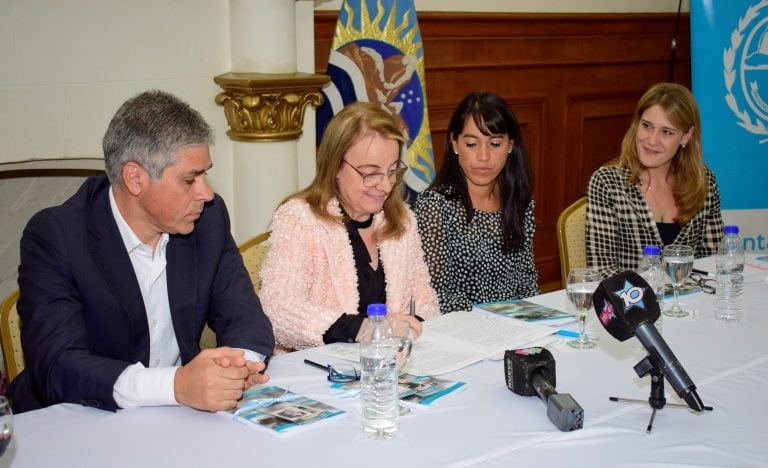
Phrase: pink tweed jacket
x=309 y=280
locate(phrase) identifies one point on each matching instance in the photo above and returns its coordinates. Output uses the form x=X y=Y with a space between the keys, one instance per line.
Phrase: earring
x=683 y=145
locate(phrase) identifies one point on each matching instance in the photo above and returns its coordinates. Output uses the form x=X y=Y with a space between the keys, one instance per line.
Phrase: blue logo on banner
x=729 y=62
x=745 y=68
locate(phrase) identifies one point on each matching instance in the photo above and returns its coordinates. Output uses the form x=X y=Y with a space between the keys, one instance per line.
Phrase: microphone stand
x=656 y=400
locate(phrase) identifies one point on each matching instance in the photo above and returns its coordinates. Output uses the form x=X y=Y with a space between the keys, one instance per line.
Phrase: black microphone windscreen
x=624 y=301
x=520 y=365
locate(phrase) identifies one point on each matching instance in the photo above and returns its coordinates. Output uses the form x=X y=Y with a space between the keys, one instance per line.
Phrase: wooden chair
x=571 y=226
x=254 y=251
x=10 y=334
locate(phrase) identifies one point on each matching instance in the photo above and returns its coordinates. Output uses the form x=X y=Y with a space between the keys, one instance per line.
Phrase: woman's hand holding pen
x=413 y=322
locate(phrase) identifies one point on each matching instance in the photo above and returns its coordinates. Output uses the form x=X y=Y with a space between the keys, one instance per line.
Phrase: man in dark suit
x=117 y=283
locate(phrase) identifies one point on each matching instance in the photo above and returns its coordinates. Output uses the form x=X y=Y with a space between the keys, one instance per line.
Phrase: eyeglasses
x=373 y=179
x=706 y=283
x=338 y=372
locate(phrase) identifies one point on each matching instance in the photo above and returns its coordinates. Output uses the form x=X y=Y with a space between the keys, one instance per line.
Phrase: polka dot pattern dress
x=465 y=260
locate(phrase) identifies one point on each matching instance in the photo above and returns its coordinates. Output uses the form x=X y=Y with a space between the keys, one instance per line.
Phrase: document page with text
x=456 y=340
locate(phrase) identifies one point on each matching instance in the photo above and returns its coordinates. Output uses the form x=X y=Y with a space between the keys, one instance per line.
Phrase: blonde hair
x=344 y=130
x=687 y=168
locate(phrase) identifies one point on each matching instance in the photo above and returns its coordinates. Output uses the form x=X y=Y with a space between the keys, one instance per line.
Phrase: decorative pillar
x=264 y=99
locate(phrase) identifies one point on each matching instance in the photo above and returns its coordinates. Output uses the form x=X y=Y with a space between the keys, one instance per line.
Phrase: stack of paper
x=452 y=341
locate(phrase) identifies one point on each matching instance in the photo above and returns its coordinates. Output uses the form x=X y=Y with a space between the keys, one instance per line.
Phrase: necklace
x=649 y=184
x=654 y=206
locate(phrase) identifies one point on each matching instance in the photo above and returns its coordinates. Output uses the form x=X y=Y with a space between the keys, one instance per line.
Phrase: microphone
x=626 y=306
x=531 y=371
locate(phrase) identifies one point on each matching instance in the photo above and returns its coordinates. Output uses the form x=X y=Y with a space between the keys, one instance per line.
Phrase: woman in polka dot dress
x=476 y=219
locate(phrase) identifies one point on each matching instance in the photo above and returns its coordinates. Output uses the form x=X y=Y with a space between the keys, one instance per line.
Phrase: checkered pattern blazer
x=619 y=222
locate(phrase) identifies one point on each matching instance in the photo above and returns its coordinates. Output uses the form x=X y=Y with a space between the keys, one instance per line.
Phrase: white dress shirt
x=138 y=385
x=152 y=386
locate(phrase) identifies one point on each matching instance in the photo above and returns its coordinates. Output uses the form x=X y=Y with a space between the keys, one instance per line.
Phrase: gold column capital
x=267 y=106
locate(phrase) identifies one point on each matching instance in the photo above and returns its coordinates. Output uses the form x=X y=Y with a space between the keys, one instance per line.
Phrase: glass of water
x=402 y=334
x=580 y=285
x=678 y=260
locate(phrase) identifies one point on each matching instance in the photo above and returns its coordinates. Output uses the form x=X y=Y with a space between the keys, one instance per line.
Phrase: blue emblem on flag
x=377 y=56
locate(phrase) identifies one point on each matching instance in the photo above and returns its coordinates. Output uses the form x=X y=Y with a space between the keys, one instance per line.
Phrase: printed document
x=453 y=341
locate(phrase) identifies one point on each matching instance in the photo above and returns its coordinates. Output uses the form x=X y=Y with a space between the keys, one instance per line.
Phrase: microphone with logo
x=626 y=306
x=531 y=371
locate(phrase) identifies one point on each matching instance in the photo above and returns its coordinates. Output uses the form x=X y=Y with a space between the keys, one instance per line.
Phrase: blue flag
x=729 y=62
x=377 y=56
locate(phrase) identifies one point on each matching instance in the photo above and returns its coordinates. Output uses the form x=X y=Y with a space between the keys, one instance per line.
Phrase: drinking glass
x=403 y=336
x=6 y=424
x=678 y=260
x=580 y=285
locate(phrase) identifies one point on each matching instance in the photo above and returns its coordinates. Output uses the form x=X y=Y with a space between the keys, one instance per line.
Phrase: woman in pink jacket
x=347 y=240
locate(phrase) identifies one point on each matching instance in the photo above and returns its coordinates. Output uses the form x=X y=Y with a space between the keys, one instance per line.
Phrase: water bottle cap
x=731 y=230
x=377 y=310
x=651 y=250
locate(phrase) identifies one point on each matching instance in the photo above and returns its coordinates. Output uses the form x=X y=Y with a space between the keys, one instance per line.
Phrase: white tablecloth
x=484 y=425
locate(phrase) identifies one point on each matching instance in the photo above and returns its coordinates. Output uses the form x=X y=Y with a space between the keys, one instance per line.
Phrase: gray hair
x=150 y=129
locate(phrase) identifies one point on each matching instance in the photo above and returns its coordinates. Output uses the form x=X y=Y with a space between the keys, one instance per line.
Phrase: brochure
x=422 y=391
x=689 y=287
x=281 y=412
x=524 y=310
x=415 y=390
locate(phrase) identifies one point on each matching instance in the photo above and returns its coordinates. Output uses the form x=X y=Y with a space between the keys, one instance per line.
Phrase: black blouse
x=668 y=232
x=371 y=287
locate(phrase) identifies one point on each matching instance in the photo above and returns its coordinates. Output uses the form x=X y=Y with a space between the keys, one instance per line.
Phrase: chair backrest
x=253 y=251
x=10 y=332
x=571 y=237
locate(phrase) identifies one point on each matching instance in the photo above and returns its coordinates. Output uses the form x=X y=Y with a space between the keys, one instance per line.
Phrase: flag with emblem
x=377 y=56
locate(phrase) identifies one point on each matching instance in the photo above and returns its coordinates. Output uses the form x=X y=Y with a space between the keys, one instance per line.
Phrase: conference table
x=483 y=425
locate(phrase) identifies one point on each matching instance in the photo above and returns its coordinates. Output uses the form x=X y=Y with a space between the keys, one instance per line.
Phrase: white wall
x=66 y=66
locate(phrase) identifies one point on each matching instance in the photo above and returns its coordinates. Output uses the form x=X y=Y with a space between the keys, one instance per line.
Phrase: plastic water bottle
x=652 y=271
x=381 y=414
x=730 y=275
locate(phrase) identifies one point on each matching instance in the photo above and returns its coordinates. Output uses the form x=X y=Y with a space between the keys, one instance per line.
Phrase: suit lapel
x=181 y=260
x=108 y=251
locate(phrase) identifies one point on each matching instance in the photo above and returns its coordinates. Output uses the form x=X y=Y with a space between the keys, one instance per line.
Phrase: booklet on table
x=280 y=411
x=524 y=310
x=417 y=391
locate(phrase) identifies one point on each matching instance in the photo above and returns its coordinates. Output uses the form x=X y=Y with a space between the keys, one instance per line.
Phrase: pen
x=313 y=363
x=701 y=272
x=755 y=266
x=568 y=333
x=412 y=309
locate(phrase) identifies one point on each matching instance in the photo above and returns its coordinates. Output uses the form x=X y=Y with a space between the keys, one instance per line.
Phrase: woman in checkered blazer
x=658 y=191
